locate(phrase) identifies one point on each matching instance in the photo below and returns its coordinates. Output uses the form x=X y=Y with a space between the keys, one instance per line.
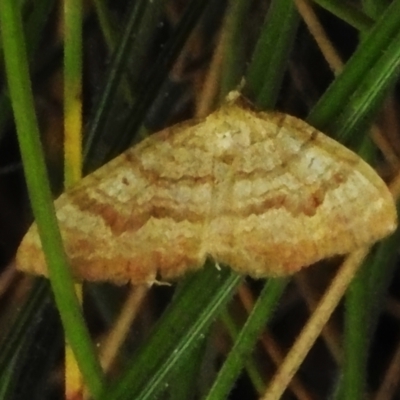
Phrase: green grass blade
x=35 y=24
x=265 y=73
x=105 y=22
x=234 y=45
x=252 y=369
x=34 y=306
x=364 y=102
x=73 y=15
x=40 y=195
x=7 y=377
x=369 y=88
x=247 y=338
x=361 y=317
x=347 y=12
x=177 y=333
x=356 y=337
x=330 y=105
x=157 y=75
x=17 y=336
x=96 y=153
x=183 y=389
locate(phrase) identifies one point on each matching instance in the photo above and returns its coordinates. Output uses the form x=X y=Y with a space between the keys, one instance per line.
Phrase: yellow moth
x=262 y=192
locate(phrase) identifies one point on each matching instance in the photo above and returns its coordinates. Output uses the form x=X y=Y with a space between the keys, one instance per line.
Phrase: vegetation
x=214 y=334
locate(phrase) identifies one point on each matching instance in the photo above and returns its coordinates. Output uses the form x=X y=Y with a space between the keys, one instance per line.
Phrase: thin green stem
x=265 y=73
x=73 y=92
x=247 y=338
x=330 y=105
x=176 y=335
x=36 y=176
x=348 y=13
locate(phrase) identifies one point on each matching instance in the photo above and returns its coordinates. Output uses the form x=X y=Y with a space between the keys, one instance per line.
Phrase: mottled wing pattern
x=139 y=217
x=291 y=196
x=262 y=192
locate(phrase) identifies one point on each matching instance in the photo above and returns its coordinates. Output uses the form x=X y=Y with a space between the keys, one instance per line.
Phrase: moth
x=262 y=192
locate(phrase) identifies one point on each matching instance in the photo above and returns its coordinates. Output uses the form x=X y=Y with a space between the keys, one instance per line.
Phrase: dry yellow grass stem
x=317 y=321
x=330 y=335
x=272 y=348
x=117 y=335
x=318 y=32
